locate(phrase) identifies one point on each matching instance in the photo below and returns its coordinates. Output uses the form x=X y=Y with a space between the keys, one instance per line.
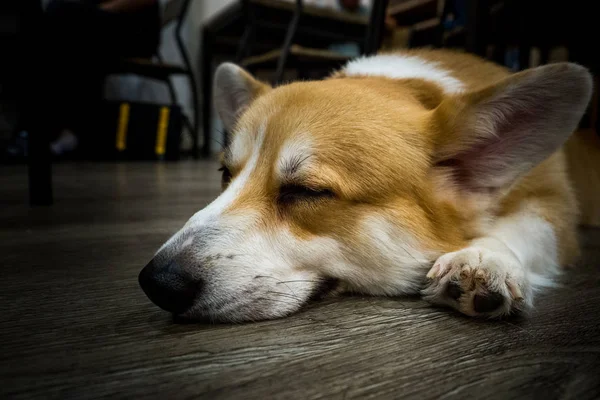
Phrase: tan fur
x=548 y=184
x=435 y=173
x=376 y=154
x=347 y=150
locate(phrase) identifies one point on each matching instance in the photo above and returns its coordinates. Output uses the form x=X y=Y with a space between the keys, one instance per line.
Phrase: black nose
x=169 y=287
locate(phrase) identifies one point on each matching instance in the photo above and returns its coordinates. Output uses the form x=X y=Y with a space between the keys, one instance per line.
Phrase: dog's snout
x=169 y=287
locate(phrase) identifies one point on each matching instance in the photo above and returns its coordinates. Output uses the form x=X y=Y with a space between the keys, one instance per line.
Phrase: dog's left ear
x=494 y=135
x=234 y=89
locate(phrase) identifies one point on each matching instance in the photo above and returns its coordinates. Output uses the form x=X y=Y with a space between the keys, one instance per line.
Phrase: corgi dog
x=431 y=172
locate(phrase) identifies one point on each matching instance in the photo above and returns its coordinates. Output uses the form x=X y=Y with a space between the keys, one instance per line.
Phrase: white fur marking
x=533 y=242
x=240 y=147
x=518 y=256
x=404 y=67
x=187 y=242
x=294 y=153
x=387 y=262
x=226 y=198
x=214 y=209
x=281 y=269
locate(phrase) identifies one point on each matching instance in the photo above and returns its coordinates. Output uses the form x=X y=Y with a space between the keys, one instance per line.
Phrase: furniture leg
x=289 y=37
x=376 y=26
x=207 y=55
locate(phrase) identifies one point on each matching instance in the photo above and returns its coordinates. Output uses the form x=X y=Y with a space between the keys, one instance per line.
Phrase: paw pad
x=477 y=282
x=453 y=290
x=488 y=302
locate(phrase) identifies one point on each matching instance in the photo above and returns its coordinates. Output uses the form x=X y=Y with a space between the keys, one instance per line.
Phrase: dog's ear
x=234 y=89
x=494 y=135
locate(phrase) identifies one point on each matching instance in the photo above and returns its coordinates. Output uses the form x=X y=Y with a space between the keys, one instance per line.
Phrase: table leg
x=32 y=108
x=40 y=168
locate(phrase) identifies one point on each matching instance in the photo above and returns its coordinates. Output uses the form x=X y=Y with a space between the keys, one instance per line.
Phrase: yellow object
x=161 y=132
x=122 y=127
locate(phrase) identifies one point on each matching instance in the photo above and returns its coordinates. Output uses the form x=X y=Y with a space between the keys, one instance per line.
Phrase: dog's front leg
x=497 y=274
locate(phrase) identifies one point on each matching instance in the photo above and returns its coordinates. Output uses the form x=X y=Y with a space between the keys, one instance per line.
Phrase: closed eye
x=225 y=176
x=291 y=193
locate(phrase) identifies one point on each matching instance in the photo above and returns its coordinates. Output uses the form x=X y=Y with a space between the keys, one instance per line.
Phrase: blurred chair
x=307 y=32
x=175 y=11
x=302 y=58
x=39 y=160
x=424 y=23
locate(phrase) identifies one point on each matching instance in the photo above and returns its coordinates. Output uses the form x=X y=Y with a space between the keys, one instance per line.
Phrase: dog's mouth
x=251 y=310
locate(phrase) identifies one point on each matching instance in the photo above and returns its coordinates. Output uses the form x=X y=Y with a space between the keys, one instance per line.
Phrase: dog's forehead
x=307 y=127
x=295 y=155
x=288 y=156
x=277 y=128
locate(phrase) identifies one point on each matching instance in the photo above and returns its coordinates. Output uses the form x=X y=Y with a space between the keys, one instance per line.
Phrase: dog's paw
x=478 y=282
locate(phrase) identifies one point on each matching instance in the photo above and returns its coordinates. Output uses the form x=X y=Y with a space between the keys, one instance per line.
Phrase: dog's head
x=354 y=180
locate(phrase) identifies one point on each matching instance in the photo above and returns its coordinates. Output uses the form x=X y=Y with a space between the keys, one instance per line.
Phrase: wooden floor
x=75 y=324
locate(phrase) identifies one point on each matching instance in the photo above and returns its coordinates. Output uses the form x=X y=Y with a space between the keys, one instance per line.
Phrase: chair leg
x=34 y=110
x=207 y=60
x=188 y=123
x=186 y=120
x=287 y=44
x=247 y=39
x=195 y=147
x=190 y=73
x=40 y=167
x=172 y=95
x=376 y=26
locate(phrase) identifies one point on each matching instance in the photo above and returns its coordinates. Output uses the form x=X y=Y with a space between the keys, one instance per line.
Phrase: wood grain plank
x=74 y=323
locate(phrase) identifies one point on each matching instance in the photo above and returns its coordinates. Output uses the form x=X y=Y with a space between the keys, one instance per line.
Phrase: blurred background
x=130 y=80
x=109 y=143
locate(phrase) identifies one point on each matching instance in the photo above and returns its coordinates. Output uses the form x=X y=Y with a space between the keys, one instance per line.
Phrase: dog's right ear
x=496 y=134
x=234 y=90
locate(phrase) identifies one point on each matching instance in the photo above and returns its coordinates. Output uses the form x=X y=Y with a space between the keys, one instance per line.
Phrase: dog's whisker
x=295 y=303
x=278 y=282
x=284 y=295
x=263 y=276
x=302 y=281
